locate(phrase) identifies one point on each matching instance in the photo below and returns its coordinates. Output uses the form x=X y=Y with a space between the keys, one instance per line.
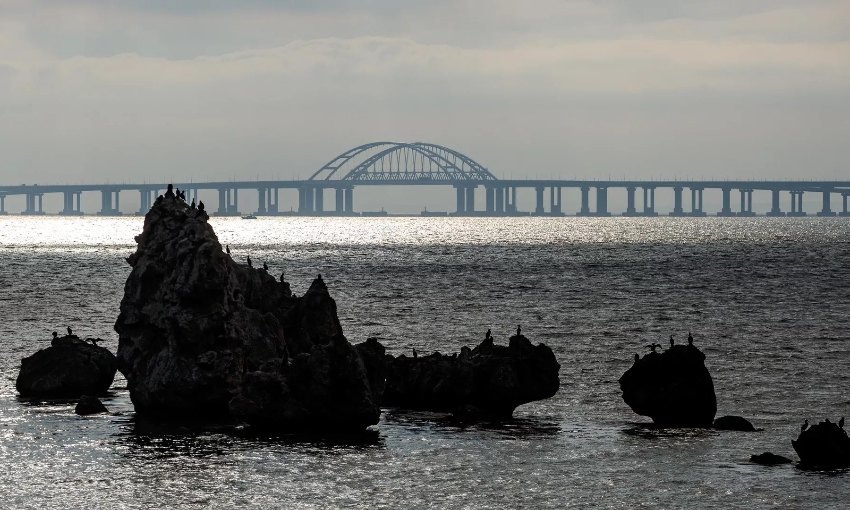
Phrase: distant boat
x=249 y=217
x=382 y=212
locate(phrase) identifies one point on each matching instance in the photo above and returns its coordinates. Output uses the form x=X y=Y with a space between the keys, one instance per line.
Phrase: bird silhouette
x=265 y=266
x=653 y=346
x=804 y=426
x=249 y=261
x=841 y=423
x=69 y=331
x=201 y=205
x=227 y=248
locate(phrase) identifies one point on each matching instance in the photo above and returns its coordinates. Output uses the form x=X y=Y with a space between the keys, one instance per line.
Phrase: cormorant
x=249 y=261
x=170 y=191
x=518 y=330
x=193 y=204
x=414 y=353
x=177 y=193
x=265 y=266
x=804 y=426
x=690 y=338
x=652 y=346
x=841 y=423
x=637 y=357
x=319 y=277
x=69 y=331
x=227 y=247
x=281 y=277
x=671 y=341
x=488 y=335
x=55 y=334
x=201 y=205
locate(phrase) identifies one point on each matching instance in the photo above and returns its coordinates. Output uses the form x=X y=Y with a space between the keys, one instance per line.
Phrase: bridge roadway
x=500 y=196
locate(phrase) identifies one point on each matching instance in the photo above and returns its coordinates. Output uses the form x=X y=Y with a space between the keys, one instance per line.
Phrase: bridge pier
x=677 y=202
x=4 y=213
x=470 y=199
x=272 y=203
x=649 y=205
x=538 y=211
x=261 y=201
x=340 y=200
x=585 y=202
x=320 y=200
x=31 y=209
x=844 y=211
x=727 y=203
x=490 y=199
x=630 y=201
x=826 y=211
x=602 y=201
x=461 y=201
x=796 y=204
x=775 y=210
x=696 y=202
x=746 y=203
x=70 y=209
x=349 y=200
x=228 y=202
x=145 y=202
x=500 y=201
x=555 y=201
x=110 y=203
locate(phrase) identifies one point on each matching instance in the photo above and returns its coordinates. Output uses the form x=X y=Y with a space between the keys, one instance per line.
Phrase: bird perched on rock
x=804 y=426
x=653 y=346
x=193 y=204
x=319 y=277
x=227 y=248
x=170 y=191
x=637 y=357
x=690 y=338
x=841 y=423
x=249 y=261
x=55 y=334
x=201 y=205
x=265 y=267
x=488 y=335
x=281 y=278
x=518 y=330
x=671 y=341
x=69 y=331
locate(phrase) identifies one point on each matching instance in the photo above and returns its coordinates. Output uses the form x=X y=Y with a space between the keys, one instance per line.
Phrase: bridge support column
x=107 y=199
x=602 y=202
x=470 y=199
x=145 y=201
x=585 y=202
x=727 y=203
x=340 y=200
x=539 y=209
x=514 y=208
x=677 y=202
x=232 y=202
x=826 y=211
x=32 y=209
x=775 y=210
x=349 y=200
x=555 y=201
x=844 y=211
x=630 y=201
x=261 y=201
x=746 y=203
x=490 y=199
x=696 y=202
x=222 y=202
x=461 y=201
x=4 y=213
x=320 y=200
x=500 y=200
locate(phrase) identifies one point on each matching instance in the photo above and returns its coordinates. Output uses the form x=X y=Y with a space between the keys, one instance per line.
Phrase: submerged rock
x=69 y=368
x=733 y=423
x=824 y=445
x=769 y=459
x=200 y=334
x=90 y=405
x=673 y=388
x=487 y=381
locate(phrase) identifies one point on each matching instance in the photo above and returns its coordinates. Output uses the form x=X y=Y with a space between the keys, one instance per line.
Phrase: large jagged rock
x=824 y=445
x=487 y=381
x=200 y=334
x=673 y=388
x=69 y=368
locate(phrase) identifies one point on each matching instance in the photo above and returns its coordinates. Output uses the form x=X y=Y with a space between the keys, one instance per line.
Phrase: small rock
x=769 y=459
x=89 y=405
x=733 y=423
x=69 y=368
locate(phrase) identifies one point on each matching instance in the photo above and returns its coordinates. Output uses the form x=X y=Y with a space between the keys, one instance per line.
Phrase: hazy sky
x=144 y=90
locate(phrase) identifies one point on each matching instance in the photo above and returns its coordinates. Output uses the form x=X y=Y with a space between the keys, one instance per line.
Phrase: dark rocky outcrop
x=200 y=334
x=90 y=405
x=673 y=388
x=489 y=380
x=824 y=445
x=69 y=368
x=769 y=459
x=737 y=423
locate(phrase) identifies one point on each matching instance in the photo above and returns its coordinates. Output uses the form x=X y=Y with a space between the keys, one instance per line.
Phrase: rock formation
x=489 y=380
x=769 y=459
x=737 y=423
x=69 y=368
x=824 y=445
x=673 y=388
x=90 y=405
x=200 y=334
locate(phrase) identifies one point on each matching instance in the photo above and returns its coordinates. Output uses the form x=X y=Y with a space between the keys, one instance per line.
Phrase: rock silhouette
x=769 y=459
x=674 y=388
x=488 y=381
x=824 y=445
x=90 y=405
x=733 y=423
x=200 y=334
x=69 y=368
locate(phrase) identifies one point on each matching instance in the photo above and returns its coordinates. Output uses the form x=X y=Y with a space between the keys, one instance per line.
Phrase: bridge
x=425 y=164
